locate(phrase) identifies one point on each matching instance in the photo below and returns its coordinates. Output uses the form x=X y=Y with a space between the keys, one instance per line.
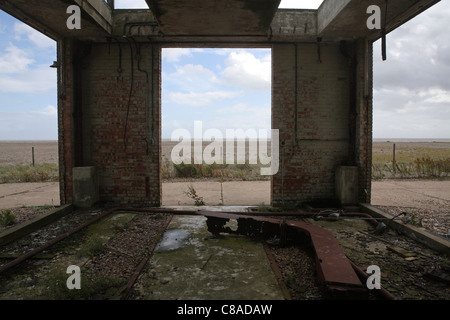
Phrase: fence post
x=393 y=157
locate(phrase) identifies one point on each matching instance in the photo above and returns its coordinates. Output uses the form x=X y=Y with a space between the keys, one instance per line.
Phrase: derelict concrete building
x=109 y=88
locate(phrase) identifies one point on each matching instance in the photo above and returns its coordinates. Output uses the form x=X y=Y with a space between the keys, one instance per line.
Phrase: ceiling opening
x=300 y=4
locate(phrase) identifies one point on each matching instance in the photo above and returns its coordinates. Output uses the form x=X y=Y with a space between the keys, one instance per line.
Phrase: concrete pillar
x=346 y=184
x=85 y=187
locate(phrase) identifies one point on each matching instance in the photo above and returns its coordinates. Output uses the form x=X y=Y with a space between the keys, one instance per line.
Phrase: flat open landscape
x=20 y=152
x=413 y=159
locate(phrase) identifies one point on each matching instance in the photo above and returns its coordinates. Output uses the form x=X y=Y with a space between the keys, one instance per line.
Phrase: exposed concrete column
x=71 y=54
x=65 y=118
x=310 y=107
x=121 y=126
x=85 y=187
x=364 y=120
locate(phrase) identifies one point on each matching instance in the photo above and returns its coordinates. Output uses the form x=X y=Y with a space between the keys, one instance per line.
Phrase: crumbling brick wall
x=120 y=121
x=312 y=99
x=321 y=103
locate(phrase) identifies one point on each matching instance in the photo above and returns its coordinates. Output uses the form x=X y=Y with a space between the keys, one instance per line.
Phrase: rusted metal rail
x=47 y=245
x=334 y=270
x=364 y=276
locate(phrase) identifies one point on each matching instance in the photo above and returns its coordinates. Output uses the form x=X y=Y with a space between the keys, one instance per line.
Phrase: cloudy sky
x=230 y=88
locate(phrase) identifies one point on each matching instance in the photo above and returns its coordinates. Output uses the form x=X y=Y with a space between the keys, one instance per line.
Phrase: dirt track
x=428 y=199
x=429 y=194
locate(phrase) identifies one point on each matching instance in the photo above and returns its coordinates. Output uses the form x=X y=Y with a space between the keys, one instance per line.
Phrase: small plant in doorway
x=192 y=193
x=7 y=218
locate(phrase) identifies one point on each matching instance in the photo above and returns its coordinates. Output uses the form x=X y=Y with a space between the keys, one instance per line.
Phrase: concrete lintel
x=214 y=17
x=135 y=23
x=294 y=25
x=288 y=25
x=99 y=11
x=419 y=234
x=328 y=11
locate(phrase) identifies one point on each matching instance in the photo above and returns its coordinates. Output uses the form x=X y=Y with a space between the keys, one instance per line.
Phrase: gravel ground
x=123 y=253
x=24 y=214
x=297 y=267
x=436 y=221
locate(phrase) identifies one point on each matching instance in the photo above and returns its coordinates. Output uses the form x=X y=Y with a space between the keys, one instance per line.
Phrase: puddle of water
x=173 y=239
x=206 y=267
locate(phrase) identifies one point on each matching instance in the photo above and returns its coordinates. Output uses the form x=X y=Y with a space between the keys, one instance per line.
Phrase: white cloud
x=19 y=73
x=130 y=4
x=412 y=87
x=38 y=39
x=42 y=79
x=200 y=98
x=411 y=114
x=194 y=74
x=437 y=96
x=244 y=108
x=174 y=54
x=48 y=111
x=243 y=69
x=15 y=60
x=296 y=4
x=190 y=78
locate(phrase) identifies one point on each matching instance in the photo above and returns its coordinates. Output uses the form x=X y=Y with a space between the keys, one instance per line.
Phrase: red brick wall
x=312 y=111
x=65 y=121
x=121 y=122
x=311 y=108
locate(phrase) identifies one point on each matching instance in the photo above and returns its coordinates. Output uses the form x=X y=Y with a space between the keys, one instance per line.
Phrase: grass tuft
x=43 y=172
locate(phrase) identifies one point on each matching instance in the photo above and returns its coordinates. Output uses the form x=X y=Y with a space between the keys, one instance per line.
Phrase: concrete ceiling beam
x=347 y=19
x=50 y=17
x=214 y=17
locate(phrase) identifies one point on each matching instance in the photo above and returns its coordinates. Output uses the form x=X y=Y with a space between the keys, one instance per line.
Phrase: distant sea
x=164 y=140
x=28 y=141
x=409 y=140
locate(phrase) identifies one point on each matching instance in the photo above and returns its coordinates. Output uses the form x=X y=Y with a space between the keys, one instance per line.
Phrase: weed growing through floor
x=92 y=247
x=412 y=219
x=7 y=218
x=192 y=194
x=54 y=287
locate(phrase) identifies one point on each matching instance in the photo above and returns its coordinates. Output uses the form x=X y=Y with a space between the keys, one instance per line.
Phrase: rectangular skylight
x=300 y=4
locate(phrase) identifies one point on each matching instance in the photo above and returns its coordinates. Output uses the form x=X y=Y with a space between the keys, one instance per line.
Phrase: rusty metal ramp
x=333 y=268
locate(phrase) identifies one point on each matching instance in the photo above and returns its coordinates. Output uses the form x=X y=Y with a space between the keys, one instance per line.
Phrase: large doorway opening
x=411 y=146
x=28 y=117
x=210 y=97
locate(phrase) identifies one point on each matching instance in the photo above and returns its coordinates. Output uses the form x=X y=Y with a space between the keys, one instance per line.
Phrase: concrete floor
x=191 y=264
x=404 y=193
x=13 y=195
x=231 y=267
